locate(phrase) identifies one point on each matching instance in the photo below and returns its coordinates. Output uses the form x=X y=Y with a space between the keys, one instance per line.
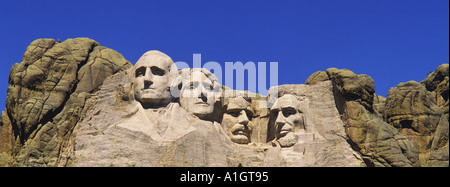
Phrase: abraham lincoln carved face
x=288 y=118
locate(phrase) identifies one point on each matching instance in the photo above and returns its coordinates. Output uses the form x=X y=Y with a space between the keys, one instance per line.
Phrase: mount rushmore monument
x=77 y=103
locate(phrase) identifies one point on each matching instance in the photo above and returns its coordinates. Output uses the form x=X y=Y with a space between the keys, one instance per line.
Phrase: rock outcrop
x=420 y=112
x=408 y=128
x=47 y=94
x=437 y=83
x=379 y=143
x=77 y=103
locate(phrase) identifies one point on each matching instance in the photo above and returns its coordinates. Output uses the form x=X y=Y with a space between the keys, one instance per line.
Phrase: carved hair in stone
x=151 y=79
x=199 y=90
x=236 y=117
x=287 y=119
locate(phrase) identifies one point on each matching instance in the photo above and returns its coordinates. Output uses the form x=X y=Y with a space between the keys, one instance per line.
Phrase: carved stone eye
x=157 y=71
x=234 y=113
x=193 y=85
x=140 y=72
x=289 y=111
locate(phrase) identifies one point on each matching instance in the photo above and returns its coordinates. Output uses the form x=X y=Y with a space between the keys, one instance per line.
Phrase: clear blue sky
x=393 y=41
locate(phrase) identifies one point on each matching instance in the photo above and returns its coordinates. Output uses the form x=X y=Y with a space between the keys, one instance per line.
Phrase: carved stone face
x=197 y=94
x=288 y=119
x=235 y=120
x=152 y=78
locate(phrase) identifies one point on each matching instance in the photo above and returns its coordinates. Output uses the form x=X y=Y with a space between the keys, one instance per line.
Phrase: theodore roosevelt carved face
x=152 y=78
x=236 y=118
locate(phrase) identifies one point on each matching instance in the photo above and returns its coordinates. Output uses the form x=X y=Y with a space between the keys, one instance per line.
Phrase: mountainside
x=77 y=103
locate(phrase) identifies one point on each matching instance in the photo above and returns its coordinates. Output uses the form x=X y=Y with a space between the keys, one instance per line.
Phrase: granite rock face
x=418 y=112
x=408 y=128
x=47 y=94
x=115 y=132
x=378 y=143
x=77 y=103
x=437 y=83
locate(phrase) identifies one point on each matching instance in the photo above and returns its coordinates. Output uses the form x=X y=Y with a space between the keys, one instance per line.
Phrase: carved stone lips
x=202 y=103
x=239 y=129
x=147 y=89
x=285 y=129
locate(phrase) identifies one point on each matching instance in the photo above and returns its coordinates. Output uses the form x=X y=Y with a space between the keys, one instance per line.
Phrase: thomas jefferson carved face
x=198 y=92
x=152 y=78
x=236 y=118
x=288 y=119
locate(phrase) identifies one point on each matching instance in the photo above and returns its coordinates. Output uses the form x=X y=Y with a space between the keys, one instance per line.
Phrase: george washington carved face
x=152 y=78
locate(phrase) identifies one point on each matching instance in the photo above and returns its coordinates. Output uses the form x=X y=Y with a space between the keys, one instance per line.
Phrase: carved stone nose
x=280 y=119
x=148 y=74
x=243 y=119
x=203 y=97
x=147 y=84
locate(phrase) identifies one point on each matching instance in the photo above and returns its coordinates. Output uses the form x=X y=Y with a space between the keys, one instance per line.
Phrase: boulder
x=317 y=77
x=360 y=88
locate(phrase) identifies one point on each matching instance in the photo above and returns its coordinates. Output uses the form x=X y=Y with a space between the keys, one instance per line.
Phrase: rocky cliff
x=47 y=94
x=72 y=104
